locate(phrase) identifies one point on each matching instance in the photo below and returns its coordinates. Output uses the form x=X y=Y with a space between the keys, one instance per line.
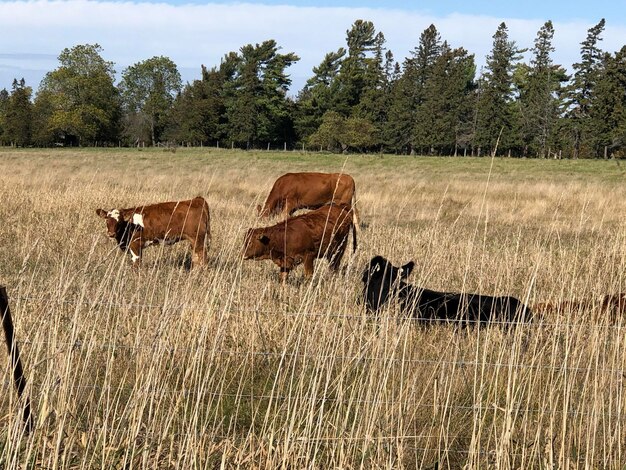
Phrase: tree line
x=359 y=99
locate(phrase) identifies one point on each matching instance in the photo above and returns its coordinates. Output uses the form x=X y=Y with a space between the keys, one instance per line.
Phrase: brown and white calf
x=138 y=227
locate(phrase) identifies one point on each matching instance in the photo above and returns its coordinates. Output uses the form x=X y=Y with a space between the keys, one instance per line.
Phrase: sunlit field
x=222 y=367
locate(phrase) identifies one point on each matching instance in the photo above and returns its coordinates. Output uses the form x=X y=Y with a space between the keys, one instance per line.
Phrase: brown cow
x=322 y=233
x=612 y=304
x=168 y=222
x=294 y=191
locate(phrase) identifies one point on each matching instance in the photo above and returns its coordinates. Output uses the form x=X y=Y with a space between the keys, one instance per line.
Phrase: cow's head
x=382 y=280
x=118 y=228
x=256 y=244
x=112 y=219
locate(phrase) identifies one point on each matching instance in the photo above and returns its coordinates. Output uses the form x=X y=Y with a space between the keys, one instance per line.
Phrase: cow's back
x=317 y=189
x=316 y=232
x=309 y=191
x=172 y=219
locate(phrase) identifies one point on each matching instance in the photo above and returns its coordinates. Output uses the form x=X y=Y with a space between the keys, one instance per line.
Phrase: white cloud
x=192 y=35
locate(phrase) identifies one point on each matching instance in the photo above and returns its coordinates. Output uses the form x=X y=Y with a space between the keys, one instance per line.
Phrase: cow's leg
x=335 y=259
x=284 y=273
x=134 y=249
x=198 y=255
x=308 y=265
x=289 y=207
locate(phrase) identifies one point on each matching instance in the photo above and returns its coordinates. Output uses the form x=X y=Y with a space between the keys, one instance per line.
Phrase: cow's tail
x=355 y=214
x=205 y=209
x=204 y=226
x=355 y=222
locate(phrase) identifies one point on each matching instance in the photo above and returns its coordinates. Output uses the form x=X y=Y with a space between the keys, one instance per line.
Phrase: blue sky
x=529 y=9
x=196 y=32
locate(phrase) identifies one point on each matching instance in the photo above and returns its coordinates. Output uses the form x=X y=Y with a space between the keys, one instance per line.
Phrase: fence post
x=14 y=354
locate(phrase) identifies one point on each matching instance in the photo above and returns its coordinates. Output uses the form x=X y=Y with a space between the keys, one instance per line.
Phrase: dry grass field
x=224 y=368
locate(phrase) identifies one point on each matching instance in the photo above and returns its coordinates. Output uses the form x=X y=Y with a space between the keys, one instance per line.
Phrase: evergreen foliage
x=540 y=88
x=359 y=98
x=496 y=117
x=581 y=89
x=4 y=103
x=255 y=95
x=17 y=122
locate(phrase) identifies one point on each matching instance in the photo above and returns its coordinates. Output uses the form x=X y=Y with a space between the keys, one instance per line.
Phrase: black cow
x=382 y=281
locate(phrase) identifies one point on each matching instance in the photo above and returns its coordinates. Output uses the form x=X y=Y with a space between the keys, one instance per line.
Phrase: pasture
x=223 y=367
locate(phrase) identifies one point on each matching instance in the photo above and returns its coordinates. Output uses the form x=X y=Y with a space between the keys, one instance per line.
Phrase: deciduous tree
x=148 y=91
x=84 y=100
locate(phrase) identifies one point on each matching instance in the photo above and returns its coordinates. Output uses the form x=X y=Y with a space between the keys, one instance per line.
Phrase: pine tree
x=257 y=107
x=406 y=94
x=398 y=130
x=446 y=110
x=316 y=98
x=355 y=73
x=539 y=87
x=197 y=115
x=18 y=117
x=607 y=115
x=580 y=91
x=4 y=103
x=373 y=104
x=45 y=133
x=495 y=114
x=350 y=82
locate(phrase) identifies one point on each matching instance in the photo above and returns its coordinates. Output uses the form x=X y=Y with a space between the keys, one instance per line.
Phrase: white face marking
x=377 y=268
x=138 y=219
x=114 y=214
x=133 y=256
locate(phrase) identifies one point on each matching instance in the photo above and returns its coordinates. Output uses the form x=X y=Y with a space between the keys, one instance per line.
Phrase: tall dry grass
x=222 y=367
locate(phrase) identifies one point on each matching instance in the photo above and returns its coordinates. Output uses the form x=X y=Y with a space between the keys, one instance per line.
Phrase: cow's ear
x=264 y=239
x=376 y=267
x=405 y=271
x=101 y=213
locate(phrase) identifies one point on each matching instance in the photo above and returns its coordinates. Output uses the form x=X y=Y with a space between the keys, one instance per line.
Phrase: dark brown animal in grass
x=322 y=233
x=613 y=305
x=294 y=191
x=138 y=227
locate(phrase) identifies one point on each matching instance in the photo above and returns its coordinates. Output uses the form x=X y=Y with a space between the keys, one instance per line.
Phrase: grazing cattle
x=168 y=222
x=383 y=281
x=322 y=233
x=294 y=191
